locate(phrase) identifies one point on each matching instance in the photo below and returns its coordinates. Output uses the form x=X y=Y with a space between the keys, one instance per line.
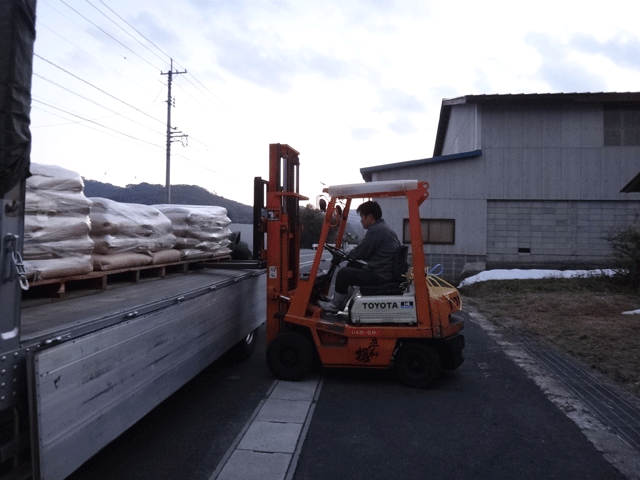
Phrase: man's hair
x=370 y=207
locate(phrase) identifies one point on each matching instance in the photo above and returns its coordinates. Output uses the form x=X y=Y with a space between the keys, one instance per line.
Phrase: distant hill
x=147 y=194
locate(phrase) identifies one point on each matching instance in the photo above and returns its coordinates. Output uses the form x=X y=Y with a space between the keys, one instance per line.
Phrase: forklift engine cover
x=384 y=309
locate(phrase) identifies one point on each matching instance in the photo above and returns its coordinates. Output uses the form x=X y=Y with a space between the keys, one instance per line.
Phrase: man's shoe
x=336 y=304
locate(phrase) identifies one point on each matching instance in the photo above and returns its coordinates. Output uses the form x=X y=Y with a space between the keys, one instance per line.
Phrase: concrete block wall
x=543 y=234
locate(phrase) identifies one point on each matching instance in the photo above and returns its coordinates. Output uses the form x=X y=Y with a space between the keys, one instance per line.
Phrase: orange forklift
x=411 y=325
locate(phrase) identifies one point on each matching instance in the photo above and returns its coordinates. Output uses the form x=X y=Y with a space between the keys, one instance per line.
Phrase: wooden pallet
x=99 y=279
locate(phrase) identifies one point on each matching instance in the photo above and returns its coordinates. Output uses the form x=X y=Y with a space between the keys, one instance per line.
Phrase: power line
x=208 y=146
x=94 y=122
x=205 y=96
x=217 y=100
x=97 y=88
x=121 y=28
x=108 y=34
x=73 y=121
x=95 y=103
x=87 y=53
x=132 y=27
x=207 y=168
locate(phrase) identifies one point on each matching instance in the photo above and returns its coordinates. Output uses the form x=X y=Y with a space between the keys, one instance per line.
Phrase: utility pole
x=171 y=135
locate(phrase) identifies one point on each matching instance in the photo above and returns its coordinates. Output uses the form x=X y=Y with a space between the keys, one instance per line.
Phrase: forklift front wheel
x=417 y=365
x=290 y=356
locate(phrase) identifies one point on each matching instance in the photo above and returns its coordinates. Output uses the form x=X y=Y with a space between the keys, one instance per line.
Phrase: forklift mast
x=283 y=232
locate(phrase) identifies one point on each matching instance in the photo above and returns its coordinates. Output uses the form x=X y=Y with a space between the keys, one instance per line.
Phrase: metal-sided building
x=525 y=181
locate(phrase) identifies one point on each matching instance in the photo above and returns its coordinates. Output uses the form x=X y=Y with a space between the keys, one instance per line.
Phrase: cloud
x=398 y=100
x=264 y=59
x=163 y=36
x=324 y=65
x=560 y=69
x=621 y=50
x=363 y=134
x=402 y=126
x=251 y=61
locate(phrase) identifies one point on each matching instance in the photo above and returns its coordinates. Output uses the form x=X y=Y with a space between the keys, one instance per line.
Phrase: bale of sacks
x=130 y=235
x=56 y=231
x=202 y=231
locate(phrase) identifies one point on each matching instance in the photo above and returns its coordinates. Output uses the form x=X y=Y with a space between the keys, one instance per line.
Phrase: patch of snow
x=516 y=274
x=632 y=312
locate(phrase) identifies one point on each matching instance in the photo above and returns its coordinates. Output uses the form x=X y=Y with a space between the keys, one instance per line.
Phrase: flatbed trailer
x=77 y=370
x=89 y=367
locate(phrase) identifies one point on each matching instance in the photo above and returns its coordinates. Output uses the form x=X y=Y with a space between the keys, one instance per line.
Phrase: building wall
x=463 y=133
x=544 y=182
x=553 y=234
x=553 y=152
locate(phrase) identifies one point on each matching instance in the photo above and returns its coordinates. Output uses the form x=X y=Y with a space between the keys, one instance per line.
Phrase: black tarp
x=17 y=36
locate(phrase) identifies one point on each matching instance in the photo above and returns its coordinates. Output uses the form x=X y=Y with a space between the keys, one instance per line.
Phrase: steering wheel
x=336 y=252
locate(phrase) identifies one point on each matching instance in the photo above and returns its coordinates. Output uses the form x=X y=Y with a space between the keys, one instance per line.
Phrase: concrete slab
x=247 y=465
x=303 y=390
x=276 y=410
x=271 y=437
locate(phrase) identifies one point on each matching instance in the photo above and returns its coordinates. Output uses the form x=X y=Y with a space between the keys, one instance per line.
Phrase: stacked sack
x=57 y=225
x=130 y=235
x=201 y=231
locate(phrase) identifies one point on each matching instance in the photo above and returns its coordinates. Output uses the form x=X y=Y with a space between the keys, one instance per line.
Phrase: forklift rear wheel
x=417 y=365
x=290 y=356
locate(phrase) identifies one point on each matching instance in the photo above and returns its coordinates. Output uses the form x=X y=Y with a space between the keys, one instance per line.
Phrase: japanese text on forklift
x=412 y=324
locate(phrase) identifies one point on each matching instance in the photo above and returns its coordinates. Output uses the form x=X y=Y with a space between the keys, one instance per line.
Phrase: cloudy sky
x=348 y=83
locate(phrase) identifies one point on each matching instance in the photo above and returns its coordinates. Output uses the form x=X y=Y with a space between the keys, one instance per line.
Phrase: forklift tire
x=417 y=365
x=290 y=356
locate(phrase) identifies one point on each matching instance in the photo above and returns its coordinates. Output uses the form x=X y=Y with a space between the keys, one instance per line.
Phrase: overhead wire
x=97 y=88
x=161 y=51
x=187 y=79
x=76 y=122
x=40 y=24
x=217 y=102
x=121 y=28
x=93 y=122
x=108 y=34
x=89 y=32
x=94 y=102
x=133 y=28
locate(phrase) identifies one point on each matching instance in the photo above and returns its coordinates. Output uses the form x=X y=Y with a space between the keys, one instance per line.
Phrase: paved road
x=487 y=420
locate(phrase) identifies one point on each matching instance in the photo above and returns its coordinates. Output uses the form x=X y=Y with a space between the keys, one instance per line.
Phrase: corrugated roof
x=367 y=172
x=525 y=98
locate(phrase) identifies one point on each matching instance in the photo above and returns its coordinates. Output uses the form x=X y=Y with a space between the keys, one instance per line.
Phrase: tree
x=626 y=249
x=311 y=221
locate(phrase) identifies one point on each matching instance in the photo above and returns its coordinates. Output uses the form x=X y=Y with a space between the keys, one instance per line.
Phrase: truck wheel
x=290 y=356
x=245 y=347
x=417 y=365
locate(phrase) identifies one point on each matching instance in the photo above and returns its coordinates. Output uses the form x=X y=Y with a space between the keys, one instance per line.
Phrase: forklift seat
x=397 y=286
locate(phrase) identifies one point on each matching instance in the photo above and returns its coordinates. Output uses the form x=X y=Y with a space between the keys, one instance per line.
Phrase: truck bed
x=84 y=311
x=98 y=363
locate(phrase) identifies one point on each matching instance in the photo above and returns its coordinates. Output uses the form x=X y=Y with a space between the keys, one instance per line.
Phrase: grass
x=582 y=316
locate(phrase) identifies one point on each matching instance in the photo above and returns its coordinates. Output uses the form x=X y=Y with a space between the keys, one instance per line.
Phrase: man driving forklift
x=376 y=251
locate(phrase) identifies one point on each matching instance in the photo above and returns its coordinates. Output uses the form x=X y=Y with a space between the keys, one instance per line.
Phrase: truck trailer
x=77 y=372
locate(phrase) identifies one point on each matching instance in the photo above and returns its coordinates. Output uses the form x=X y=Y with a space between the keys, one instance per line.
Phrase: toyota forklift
x=411 y=325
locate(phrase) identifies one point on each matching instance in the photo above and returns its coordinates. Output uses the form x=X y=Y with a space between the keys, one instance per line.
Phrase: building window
x=621 y=126
x=435 y=231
